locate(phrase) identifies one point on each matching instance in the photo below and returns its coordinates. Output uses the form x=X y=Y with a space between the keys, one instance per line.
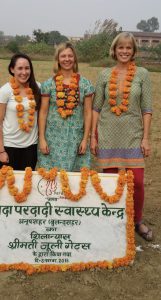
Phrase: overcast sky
x=73 y=17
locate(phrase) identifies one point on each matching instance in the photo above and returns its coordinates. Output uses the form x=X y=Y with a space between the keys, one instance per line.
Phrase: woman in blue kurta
x=65 y=115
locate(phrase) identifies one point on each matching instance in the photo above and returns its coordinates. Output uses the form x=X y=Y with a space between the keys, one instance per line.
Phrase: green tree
x=22 y=39
x=50 y=37
x=150 y=25
x=157 y=52
x=13 y=46
x=38 y=35
x=96 y=44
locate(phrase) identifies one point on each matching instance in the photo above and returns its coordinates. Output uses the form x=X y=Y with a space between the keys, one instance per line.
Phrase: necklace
x=123 y=107
x=67 y=98
x=24 y=126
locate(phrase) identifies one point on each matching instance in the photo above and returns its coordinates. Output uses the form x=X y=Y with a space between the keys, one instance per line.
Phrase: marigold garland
x=24 y=126
x=130 y=233
x=96 y=182
x=118 y=262
x=48 y=175
x=123 y=107
x=27 y=187
x=66 y=187
x=67 y=97
x=6 y=173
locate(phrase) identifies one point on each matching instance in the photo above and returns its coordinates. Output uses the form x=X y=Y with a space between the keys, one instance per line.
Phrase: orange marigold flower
x=31 y=118
x=14 y=86
x=112 y=102
x=113 y=109
x=20 y=114
x=30 y=97
x=60 y=110
x=16 y=92
x=126 y=90
x=73 y=86
x=32 y=104
x=19 y=107
x=72 y=93
x=113 y=80
x=74 y=80
x=125 y=102
x=126 y=96
x=60 y=103
x=69 y=112
x=118 y=111
x=59 y=88
x=70 y=105
x=31 y=123
x=28 y=90
x=112 y=86
x=71 y=98
x=31 y=111
x=112 y=94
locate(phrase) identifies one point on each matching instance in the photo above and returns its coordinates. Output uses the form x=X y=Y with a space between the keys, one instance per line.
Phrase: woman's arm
x=87 y=123
x=145 y=146
x=93 y=144
x=42 y=124
x=3 y=155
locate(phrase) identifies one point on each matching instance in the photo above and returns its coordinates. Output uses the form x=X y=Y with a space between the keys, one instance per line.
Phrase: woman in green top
x=65 y=115
x=122 y=115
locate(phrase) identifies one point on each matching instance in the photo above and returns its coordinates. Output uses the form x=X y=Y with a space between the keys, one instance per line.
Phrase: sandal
x=146 y=235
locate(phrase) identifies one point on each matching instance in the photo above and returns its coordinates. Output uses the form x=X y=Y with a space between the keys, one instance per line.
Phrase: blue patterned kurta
x=64 y=136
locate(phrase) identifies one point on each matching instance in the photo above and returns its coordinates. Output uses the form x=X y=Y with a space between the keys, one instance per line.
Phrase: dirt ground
x=140 y=281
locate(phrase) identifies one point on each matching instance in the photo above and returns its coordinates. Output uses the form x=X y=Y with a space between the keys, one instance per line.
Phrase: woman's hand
x=93 y=145
x=145 y=147
x=82 y=147
x=43 y=146
x=4 y=157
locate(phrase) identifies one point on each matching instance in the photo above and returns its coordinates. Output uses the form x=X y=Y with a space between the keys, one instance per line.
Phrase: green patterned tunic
x=65 y=135
x=119 y=137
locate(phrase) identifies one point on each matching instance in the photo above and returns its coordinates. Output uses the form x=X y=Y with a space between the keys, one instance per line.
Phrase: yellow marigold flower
x=18 y=98
x=60 y=94
x=20 y=114
x=59 y=77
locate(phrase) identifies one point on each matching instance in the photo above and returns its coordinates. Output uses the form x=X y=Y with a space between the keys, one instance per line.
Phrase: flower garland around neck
x=66 y=187
x=123 y=107
x=23 y=125
x=67 y=98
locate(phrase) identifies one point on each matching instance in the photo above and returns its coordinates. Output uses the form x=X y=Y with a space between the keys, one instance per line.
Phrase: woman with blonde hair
x=65 y=115
x=122 y=112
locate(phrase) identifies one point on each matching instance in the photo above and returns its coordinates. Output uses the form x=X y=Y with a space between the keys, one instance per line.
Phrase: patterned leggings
x=138 y=191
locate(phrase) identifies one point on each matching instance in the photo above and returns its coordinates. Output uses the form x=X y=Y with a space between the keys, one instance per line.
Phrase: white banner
x=50 y=230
